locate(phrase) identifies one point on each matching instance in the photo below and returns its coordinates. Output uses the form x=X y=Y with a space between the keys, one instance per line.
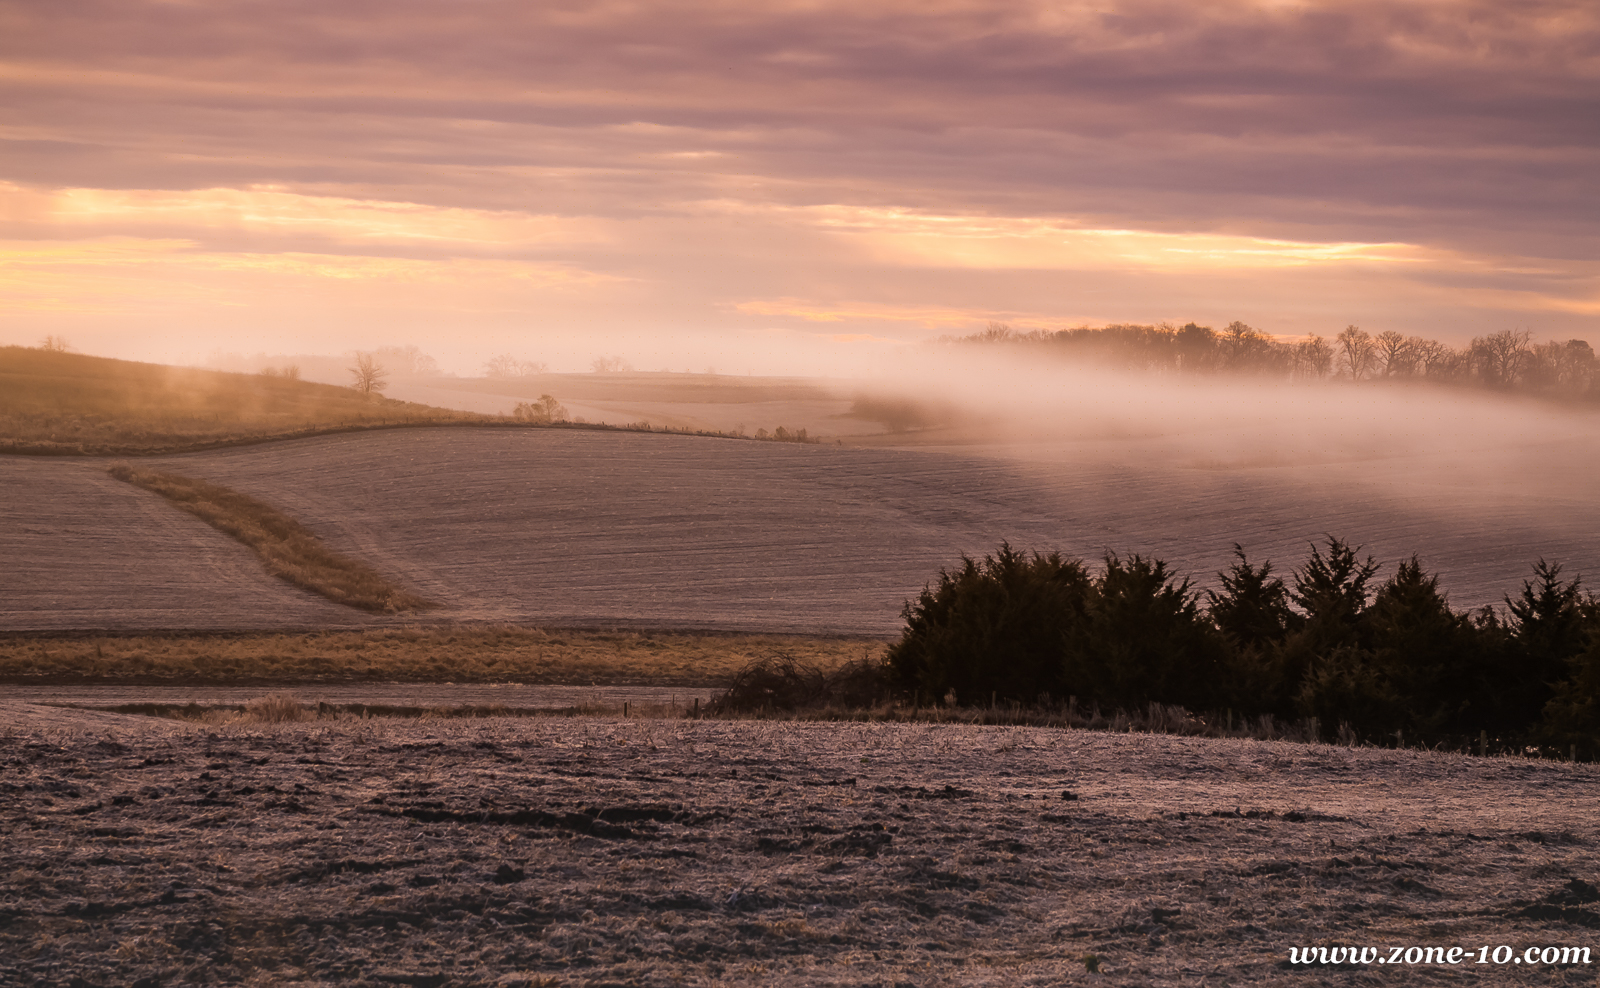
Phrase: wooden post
x=697 y=708
x=1483 y=744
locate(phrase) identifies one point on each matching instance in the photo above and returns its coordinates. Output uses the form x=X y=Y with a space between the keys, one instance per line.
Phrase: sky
x=787 y=186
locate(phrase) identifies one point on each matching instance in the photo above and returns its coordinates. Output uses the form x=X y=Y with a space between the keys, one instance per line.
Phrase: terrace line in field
x=289 y=550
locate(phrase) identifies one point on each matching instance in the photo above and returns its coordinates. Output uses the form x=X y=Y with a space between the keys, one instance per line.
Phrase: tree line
x=1365 y=657
x=1509 y=360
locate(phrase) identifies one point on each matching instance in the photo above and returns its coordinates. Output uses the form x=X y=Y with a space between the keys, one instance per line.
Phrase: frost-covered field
x=662 y=531
x=664 y=852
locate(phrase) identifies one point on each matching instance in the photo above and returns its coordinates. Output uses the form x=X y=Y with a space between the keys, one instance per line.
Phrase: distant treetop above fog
x=1508 y=360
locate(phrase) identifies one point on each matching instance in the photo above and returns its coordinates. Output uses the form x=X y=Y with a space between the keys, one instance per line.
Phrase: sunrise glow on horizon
x=788 y=184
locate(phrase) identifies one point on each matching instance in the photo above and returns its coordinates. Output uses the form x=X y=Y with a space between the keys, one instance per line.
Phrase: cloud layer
x=672 y=174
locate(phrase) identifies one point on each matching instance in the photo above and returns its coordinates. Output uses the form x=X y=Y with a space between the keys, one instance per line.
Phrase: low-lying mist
x=1218 y=419
x=1479 y=484
x=1086 y=458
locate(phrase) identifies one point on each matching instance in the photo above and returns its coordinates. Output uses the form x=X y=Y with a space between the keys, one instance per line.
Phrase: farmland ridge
x=639 y=530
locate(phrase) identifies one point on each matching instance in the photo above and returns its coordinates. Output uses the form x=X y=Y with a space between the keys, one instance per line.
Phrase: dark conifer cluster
x=1331 y=641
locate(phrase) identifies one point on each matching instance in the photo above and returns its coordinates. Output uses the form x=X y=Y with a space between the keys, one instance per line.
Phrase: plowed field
x=651 y=530
x=79 y=549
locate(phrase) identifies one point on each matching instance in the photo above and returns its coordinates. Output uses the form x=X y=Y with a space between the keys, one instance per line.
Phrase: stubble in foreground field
x=597 y=851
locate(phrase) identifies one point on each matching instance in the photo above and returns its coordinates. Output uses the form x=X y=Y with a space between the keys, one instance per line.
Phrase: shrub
x=780 y=682
x=278 y=708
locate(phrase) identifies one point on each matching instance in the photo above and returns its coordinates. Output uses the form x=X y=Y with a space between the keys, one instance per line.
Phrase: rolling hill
x=649 y=530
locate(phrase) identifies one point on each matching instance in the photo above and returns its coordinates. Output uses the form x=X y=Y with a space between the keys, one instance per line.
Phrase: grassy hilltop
x=68 y=403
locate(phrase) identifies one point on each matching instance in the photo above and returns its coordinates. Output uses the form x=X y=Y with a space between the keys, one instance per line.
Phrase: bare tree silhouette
x=546 y=409
x=504 y=365
x=1498 y=357
x=370 y=377
x=1396 y=352
x=1313 y=357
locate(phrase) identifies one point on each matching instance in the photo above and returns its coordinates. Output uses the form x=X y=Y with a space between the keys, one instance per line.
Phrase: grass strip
x=422 y=654
x=288 y=549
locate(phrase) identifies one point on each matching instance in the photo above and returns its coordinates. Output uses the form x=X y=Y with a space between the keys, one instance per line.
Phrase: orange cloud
x=277 y=210
x=108 y=274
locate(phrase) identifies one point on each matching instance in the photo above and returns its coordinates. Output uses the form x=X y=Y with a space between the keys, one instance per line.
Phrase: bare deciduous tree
x=1499 y=356
x=1432 y=356
x=546 y=409
x=1358 y=351
x=370 y=377
x=1395 y=352
x=1578 y=365
x=407 y=361
x=504 y=365
x=1244 y=347
x=611 y=365
x=995 y=332
x=57 y=344
x=1313 y=357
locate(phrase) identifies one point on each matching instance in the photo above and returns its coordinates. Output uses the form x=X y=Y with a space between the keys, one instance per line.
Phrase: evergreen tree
x=1142 y=639
x=994 y=626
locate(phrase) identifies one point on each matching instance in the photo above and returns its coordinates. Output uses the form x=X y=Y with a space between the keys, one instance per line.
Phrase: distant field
x=699 y=402
x=52 y=402
x=649 y=531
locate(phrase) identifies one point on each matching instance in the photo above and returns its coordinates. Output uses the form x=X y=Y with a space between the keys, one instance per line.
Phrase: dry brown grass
x=72 y=404
x=289 y=549
x=278 y=708
x=415 y=655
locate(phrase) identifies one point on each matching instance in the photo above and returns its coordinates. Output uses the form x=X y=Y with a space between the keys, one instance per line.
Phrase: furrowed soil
x=595 y=851
x=652 y=531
